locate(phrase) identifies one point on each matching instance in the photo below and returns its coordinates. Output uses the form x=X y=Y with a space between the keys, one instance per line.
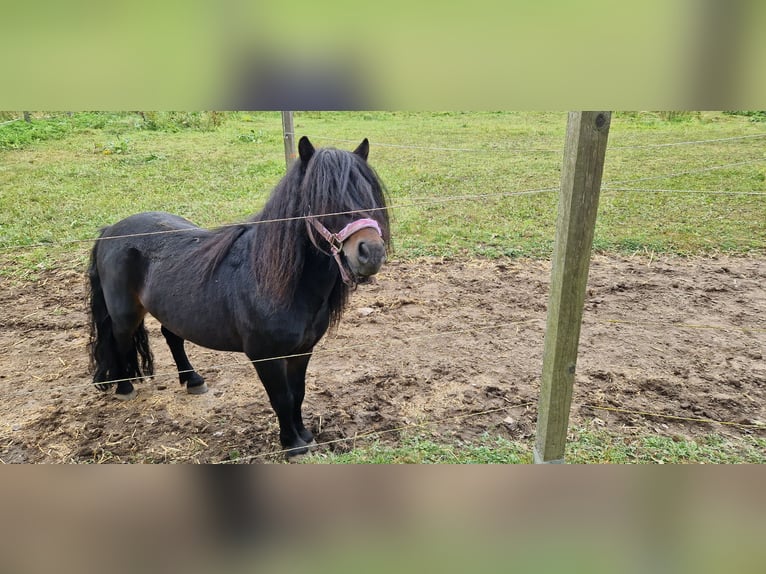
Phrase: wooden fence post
x=288 y=132
x=583 y=166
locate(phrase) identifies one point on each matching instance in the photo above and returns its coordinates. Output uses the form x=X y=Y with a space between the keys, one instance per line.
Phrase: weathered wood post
x=288 y=133
x=583 y=166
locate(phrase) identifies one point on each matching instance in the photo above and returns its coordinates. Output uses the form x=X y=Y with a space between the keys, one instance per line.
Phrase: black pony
x=269 y=287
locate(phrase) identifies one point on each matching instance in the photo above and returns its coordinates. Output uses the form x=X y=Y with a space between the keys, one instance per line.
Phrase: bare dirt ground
x=454 y=346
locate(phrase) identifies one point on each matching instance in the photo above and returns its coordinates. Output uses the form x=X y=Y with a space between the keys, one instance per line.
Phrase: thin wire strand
x=671 y=191
x=723 y=328
x=414 y=202
x=316 y=351
x=674 y=417
x=434 y=201
x=380 y=432
x=192 y=229
x=337 y=350
x=535 y=150
x=427 y=423
x=687 y=172
x=688 y=142
x=436 y=148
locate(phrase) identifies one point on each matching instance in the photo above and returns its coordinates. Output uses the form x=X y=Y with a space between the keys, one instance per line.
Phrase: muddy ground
x=454 y=346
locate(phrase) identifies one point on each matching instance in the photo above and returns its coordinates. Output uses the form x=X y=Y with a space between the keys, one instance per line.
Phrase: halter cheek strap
x=336 y=240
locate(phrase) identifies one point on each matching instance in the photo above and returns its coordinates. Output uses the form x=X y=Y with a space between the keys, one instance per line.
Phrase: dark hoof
x=103 y=387
x=297 y=454
x=126 y=396
x=199 y=389
x=296 y=451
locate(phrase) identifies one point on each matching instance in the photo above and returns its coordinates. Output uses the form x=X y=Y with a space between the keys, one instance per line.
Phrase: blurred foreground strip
x=340 y=518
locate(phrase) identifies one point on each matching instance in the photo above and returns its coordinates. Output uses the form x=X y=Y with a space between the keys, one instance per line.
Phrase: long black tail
x=106 y=361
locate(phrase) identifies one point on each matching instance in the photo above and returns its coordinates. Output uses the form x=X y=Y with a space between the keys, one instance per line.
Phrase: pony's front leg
x=273 y=375
x=296 y=379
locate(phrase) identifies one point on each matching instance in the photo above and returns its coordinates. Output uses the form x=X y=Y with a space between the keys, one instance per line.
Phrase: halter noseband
x=336 y=240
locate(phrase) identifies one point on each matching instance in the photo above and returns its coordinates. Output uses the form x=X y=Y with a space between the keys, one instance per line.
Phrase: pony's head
x=345 y=204
x=338 y=191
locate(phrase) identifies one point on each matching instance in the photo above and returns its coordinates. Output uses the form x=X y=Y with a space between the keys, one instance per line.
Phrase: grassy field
x=64 y=177
x=454 y=181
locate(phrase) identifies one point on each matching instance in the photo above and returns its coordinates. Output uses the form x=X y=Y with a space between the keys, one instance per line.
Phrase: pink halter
x=336 y=239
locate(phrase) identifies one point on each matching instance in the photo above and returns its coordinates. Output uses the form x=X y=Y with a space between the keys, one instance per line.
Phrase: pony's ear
x=305 y=149
x=363 y=149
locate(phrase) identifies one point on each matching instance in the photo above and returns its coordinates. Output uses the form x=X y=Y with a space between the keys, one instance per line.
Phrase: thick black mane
x=332 y=182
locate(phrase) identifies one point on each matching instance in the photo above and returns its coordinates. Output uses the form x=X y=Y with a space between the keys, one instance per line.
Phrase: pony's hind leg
x=195 y=384
x=120 y=353
x=131 y=344
x=119 y=344
x=126 y=366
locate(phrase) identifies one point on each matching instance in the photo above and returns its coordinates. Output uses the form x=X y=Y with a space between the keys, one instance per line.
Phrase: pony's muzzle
x=365 y=252
x=372 y=254
x=370 y=257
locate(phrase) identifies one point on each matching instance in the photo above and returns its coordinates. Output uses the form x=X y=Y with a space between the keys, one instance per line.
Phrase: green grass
x=585 y=446
x=43 y=127
x=591 y=446
x=421 y=449
x=64 y=177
